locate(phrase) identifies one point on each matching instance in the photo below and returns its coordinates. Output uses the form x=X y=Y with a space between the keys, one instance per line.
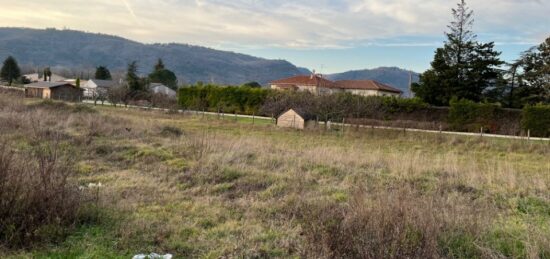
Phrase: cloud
x=298 y=24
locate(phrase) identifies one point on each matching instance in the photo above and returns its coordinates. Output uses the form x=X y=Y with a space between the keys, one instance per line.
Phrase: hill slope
x=393 y=76
x=74 y=49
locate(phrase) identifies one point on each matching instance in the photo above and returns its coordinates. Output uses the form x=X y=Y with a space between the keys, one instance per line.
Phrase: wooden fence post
x=253 y=117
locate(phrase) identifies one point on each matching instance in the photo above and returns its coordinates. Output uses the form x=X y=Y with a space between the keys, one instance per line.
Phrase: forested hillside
x=74 y=49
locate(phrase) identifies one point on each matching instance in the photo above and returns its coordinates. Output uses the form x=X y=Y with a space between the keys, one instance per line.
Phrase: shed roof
x=103 y=83
x=302 y=112
x=162 y=89
x=42 y=84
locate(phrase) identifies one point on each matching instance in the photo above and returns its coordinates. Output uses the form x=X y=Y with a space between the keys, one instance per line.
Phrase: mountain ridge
x=71 y=49
x=76 y=49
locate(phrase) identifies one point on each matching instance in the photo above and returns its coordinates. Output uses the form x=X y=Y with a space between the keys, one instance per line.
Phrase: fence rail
x=12 y=88
x=182 y=111
x=481 y=134
x=336 y=124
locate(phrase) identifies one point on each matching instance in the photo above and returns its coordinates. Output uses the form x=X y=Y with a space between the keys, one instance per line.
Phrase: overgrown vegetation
x=40 y=199
x=209 y=187
x=38 y=203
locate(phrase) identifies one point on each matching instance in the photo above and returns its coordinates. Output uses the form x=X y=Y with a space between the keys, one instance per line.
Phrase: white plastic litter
x=92 y=185
x=152 y=256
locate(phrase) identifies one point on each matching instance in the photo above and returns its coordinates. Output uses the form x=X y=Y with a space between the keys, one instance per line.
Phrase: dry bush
x=395 y=224
x=37 y=200
x=164 y=101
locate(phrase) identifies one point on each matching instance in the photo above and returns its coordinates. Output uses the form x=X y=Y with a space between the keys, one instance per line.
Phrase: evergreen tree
x=135 y=84
x=77 y=83
x=163 y=76
x=463 y=68
x=10 y=70
x=159 y=65
x=535 y=77
x=102 y=73
x=47 y=74
x=528 y=78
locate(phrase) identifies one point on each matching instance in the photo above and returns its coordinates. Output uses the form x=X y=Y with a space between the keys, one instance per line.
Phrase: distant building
x=94 y=87
x=162 y=89
x=316 y=84
x=37 y=77
x=296 y=119
x=53 y=90
x=367 y=88
x=73 y=81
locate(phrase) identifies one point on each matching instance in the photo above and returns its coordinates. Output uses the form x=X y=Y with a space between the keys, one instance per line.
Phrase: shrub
x=38 y=203
x=536 y=119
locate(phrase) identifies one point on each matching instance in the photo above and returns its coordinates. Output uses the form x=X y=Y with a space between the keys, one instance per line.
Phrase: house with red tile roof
x=316 y=84
x=367 y=88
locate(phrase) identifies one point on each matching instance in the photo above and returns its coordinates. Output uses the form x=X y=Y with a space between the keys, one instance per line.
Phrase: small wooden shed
x=297 y=119
x=54 y=90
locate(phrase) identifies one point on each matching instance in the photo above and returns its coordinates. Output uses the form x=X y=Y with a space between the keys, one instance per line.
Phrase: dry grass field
x=206 y=188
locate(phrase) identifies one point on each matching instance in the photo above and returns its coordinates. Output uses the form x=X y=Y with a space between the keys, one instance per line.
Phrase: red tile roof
x=305 y=80
x=366 y=85
x=343 y=84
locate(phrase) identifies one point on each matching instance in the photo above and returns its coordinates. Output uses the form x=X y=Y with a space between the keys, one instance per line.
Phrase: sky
x=326 y=35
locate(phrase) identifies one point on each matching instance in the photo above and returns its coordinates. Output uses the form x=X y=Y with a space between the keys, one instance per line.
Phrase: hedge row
x=536 y=119
x=469 y=116
x=243 y=100
x=465 y=115
x=462 y=115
